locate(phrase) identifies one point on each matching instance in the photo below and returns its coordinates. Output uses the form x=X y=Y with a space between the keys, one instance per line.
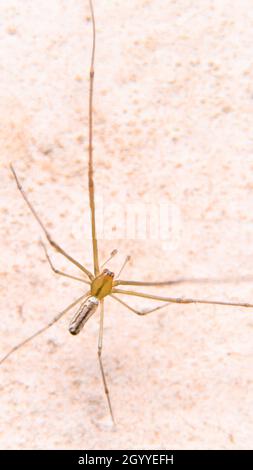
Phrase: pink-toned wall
x=173 y=124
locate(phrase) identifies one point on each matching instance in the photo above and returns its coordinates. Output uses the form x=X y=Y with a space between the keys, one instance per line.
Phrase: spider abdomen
x=83 y=314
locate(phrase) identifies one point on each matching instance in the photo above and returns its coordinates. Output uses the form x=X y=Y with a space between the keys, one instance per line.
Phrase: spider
x=101 y=282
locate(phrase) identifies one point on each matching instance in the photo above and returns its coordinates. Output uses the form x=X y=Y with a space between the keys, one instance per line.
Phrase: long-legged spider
x=101 y=282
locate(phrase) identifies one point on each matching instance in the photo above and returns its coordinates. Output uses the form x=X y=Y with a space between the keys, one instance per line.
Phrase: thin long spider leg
x=39 y=332
x=48 y=236
x=181 y=300
x=90 y=165
x=139 y=312
x=57 y=271
x=100 y=347
x=120 y=282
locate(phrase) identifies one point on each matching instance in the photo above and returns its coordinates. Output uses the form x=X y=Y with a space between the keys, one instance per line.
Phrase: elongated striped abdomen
x=83 y=314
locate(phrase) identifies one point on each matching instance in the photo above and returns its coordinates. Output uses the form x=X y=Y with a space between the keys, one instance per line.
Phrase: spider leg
x=56 y=271
x=100 y=347
x=41 y=330
x=90 y=148
x=181 y=300
x=48 y=236
x=139 y=312
x=203 y=280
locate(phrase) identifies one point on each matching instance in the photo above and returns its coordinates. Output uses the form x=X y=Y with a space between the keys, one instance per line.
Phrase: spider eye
x=109 y=273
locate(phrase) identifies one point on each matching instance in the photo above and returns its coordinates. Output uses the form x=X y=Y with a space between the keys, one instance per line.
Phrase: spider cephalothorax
x=102 y=284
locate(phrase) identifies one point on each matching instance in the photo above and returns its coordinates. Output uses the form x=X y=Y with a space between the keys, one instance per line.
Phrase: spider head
x=102 y=284
x=106 y=272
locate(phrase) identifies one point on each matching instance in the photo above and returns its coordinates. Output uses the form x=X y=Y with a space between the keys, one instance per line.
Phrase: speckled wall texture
x=173 y=125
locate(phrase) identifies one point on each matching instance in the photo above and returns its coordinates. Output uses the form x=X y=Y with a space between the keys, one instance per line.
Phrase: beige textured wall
x=173 y=123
